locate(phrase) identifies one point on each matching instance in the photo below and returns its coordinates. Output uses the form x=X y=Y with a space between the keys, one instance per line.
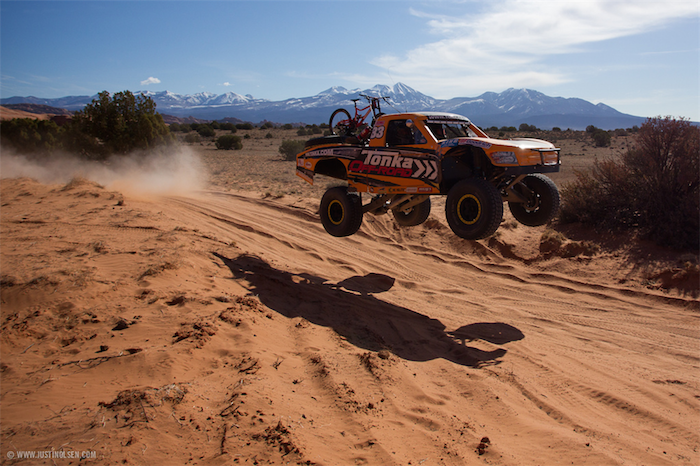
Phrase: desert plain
x=190 y=309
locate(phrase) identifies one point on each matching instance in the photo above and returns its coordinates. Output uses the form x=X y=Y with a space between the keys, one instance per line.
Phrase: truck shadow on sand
x=350 y=308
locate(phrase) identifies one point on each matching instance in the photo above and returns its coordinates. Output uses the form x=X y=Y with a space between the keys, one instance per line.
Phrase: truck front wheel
x=542 y=200
x=341 y=212
x=474 y=209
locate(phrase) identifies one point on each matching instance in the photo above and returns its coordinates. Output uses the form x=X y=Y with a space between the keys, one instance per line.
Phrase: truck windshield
x=448 y=130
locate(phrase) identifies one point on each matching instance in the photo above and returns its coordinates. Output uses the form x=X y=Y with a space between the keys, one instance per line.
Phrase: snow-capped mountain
x=508 y=108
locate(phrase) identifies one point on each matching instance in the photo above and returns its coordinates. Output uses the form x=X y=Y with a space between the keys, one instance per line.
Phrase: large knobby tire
x=340 y=122
x=341 y=212
x=474 y=209
x=543 y=201
x=417 y=215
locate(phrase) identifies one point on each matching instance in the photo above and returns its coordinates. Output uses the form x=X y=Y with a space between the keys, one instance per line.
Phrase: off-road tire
x=341 y=212
x=474 y=209
x=337 y=116
x=542 y=207
x=417 y=215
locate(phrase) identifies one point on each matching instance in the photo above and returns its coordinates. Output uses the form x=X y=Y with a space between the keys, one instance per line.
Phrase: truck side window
x=403 y=133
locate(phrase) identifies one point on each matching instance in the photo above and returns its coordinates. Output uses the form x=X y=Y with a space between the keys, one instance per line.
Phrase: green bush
x=229 y=142
x=601 y=138
x=525 y=127
x=654 y=187
x=269 y=136
x=206 y=131
x=192 y=138
x=244 y=126
x=290 y=148
x=302 y=132
x=121 y=123
x=29 y=135
x=109 y=125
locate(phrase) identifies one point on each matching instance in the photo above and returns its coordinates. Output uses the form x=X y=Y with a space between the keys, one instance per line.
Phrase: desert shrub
x=315 y=129
x=556 y=129
x=287 y=126
x=29 y=135
x=267 y=125
x=244 y=126
x=206 y=131
x=174 y=127
x=269 y=136
x=601 y=138
x=229 y=142
x=192 y=138
x=654 y=187
x=525 y=127
x=290 y=148
x=121 y=123
x=508 y=129
x=228 y=126
x=215 y=125
x=302 y=132
x=109 y=125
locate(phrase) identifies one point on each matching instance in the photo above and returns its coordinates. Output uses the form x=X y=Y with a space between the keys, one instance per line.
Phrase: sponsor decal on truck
x=393 y=164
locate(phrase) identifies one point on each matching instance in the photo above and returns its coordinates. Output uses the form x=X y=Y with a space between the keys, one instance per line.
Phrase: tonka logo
x=388 y=159
x=392 y=164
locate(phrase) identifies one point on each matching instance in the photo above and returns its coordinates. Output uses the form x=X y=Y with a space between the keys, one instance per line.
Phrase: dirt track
x=248 y=335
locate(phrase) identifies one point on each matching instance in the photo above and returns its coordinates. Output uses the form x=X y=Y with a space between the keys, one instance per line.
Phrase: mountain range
x=508 y=108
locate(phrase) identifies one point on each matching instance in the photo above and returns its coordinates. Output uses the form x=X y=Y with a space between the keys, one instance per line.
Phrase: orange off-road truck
x=408 y=157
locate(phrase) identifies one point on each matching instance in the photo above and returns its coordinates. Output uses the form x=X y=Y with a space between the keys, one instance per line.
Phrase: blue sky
x=640 y=57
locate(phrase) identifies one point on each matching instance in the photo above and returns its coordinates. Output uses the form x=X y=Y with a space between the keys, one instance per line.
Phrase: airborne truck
x=409 y=157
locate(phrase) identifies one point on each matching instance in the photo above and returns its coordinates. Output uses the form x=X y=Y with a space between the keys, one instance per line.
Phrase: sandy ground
x=222 y=325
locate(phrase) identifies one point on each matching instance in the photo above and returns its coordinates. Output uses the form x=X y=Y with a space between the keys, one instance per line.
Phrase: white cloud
x=150 y=80
x=505 y=43
x=227 y=84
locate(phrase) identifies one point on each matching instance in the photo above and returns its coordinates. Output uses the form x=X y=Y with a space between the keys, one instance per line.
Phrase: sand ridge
x=227 y=327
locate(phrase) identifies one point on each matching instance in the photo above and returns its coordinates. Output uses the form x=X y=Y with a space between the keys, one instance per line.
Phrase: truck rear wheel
x=474 y=209
x=341 y=212
x=543 y=200
x=417 y=215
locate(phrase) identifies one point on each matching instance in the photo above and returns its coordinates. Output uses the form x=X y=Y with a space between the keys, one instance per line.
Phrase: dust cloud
x=168 y=170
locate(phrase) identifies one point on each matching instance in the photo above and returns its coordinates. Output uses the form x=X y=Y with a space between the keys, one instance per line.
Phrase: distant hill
x=38 y=108
x=508 y=108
